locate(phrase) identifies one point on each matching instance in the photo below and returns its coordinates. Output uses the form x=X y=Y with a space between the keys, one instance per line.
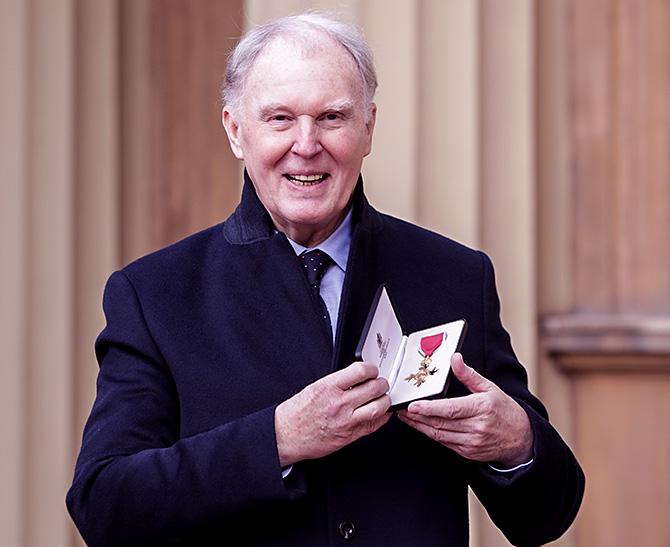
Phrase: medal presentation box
x=417 y=365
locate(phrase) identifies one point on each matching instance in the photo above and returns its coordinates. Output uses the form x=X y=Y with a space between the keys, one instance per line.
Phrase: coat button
x=347 y=529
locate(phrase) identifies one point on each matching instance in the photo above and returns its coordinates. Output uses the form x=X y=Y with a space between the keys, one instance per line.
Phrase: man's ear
x=232 y=128
x=370 y=126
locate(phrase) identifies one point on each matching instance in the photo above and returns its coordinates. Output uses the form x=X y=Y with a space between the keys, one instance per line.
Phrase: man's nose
x=307 y=137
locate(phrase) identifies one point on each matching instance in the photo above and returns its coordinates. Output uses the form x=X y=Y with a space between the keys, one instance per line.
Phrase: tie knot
x=316 y=263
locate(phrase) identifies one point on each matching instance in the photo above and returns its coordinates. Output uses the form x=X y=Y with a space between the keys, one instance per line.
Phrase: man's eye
x=280 y=118
x=332 y=117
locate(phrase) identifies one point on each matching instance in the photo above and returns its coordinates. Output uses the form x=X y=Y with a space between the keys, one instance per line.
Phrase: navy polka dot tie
x=315 y=263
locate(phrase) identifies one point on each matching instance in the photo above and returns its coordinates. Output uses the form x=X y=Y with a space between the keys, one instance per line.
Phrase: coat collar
x=251 y=222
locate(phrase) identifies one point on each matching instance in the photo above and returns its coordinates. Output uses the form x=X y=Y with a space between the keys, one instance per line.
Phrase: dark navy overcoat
x=205 y=337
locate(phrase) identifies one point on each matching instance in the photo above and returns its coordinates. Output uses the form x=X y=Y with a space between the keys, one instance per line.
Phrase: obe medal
x=428 y=346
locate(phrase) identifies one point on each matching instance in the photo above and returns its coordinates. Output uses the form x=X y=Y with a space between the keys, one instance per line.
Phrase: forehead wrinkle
x=309 y=45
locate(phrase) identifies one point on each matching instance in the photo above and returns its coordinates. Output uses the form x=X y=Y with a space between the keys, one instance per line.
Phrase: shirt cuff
x=286 y=470
x=520 y=466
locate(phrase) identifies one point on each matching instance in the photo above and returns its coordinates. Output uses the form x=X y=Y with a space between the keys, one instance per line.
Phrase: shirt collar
x=336 y=245
x=251 y=223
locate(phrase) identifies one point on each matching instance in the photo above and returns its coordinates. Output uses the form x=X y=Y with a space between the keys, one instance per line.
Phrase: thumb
x=468 y=376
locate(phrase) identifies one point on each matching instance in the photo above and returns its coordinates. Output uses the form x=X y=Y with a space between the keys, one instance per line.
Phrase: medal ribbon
x=430 y=343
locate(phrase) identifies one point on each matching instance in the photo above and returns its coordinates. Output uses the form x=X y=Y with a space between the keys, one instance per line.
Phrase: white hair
x=303 y=26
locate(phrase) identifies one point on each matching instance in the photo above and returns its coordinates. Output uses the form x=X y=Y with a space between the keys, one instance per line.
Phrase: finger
x=457 y=426
x=378 y=422
x=370 y=426
x=454 y=440
x=373 y=410
x=366 y=391
x=458 y=408
x=354 y=374
x=468 y=376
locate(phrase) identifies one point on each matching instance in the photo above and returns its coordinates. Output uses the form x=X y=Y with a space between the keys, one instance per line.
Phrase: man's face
x=302 y=131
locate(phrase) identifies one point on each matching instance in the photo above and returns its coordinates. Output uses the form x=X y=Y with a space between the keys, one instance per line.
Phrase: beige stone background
x=537 y=130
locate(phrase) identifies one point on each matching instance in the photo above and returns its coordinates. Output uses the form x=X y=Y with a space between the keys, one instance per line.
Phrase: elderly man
x=229 y=403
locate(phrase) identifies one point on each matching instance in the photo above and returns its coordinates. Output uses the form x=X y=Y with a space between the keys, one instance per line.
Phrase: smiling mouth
x=307 y=180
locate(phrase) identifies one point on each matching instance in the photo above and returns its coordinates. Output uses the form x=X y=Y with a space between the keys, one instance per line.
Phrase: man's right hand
x=331 y=413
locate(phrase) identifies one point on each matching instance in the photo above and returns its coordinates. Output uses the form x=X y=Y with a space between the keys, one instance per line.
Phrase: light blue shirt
x=337 y=247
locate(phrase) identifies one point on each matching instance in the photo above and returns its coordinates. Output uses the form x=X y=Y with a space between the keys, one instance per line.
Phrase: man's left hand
x=487 y=425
